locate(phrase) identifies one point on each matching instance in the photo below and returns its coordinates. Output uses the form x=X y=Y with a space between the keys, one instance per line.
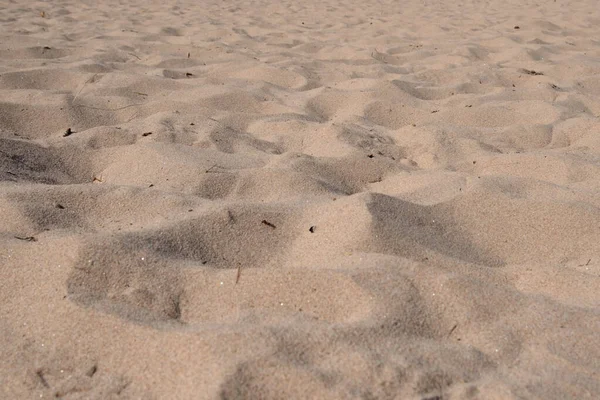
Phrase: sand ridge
x=332 y=199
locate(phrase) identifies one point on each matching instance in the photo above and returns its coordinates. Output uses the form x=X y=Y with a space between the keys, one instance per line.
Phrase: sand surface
x=325 y=199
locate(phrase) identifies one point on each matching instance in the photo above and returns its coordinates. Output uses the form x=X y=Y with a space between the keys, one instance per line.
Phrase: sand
x=300 y=199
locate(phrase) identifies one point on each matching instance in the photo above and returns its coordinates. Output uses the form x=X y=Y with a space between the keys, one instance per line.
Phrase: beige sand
x=300 y=199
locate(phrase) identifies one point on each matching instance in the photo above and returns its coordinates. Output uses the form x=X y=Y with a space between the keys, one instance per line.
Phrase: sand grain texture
x=286 y=200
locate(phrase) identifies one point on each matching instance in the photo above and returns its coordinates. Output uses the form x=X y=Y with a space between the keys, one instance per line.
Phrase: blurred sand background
x=300 y=199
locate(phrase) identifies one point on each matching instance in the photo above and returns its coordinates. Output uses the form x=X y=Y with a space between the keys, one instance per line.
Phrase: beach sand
x=300 y=199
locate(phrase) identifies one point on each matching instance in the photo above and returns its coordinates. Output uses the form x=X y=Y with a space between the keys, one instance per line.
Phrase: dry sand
x=300 y=199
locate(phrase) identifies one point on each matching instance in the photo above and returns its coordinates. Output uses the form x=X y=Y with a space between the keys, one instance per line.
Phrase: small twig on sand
x=265 y=222
x=132 y=117
x=211 y=169
x=40 y=375
x=214 y=170
x=239 y=273
x=452 y=330
x=27 y=238
x=80 y=90
x=108 y=109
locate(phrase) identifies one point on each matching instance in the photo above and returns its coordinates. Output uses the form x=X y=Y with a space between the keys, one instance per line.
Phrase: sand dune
x=277 y=200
